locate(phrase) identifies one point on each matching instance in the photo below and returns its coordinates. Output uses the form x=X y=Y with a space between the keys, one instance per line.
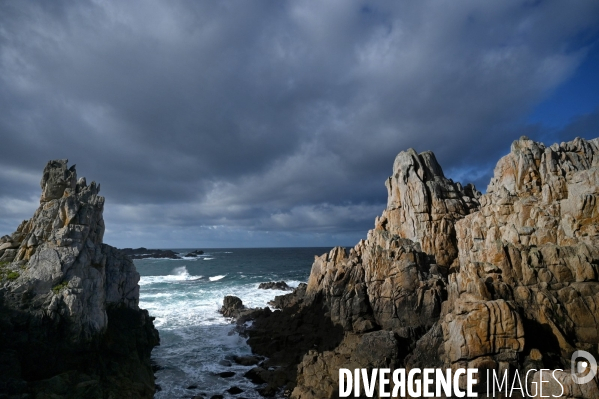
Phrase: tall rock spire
x=67 y=285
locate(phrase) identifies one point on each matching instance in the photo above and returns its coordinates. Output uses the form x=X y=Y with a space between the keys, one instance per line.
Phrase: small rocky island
x=70 y=324
x=274 y=285
x=145 y=253
x=450 y=278
x=194 y=254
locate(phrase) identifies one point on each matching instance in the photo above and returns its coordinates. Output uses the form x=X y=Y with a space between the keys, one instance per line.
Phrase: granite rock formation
x=70 y=321
x=232 y=305
x=451 y=278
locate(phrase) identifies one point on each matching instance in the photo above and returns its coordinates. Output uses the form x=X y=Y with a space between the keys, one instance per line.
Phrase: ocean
x=184 y=296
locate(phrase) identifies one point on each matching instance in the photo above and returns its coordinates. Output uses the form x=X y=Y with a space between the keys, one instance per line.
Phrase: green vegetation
x=60 y=286
x=12 y=275
x=6 y=273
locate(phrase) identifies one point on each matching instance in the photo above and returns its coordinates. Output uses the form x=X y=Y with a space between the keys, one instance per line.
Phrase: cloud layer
x=247 y=123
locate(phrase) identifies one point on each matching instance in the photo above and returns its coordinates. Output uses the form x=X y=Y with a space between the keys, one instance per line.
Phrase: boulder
x=235 y=390
x=232 y=305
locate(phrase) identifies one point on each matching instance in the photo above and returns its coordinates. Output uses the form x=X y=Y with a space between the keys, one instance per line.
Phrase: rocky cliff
x=70 y=322
x=451 y=278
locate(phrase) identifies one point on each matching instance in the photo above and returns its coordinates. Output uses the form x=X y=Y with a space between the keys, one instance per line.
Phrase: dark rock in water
x=217 y=397
x=247 y=360
x=235 y=390
x=226 y=374
x=194 y=386
x=225 y=363
x=275 y=285
x=144 y=253
x=69 y=314
x=256 y=375
x=232 y=305
x=194 y=254
x=268 y=391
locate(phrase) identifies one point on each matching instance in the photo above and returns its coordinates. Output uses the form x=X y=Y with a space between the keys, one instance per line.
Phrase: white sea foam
x=180 y=273
x=294 y=283
x=194 y=336
x=208 y=258
x=195 y=305
x=177 y=274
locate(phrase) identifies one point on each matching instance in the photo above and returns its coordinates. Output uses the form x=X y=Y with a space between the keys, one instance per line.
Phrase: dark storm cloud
x=262 y=117
x=586 y=125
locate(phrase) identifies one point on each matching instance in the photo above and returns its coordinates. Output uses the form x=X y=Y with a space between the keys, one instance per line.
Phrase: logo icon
x=578 y=368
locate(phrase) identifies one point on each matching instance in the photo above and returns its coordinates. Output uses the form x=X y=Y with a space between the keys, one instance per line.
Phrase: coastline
x=448 y=278
x=497 y=282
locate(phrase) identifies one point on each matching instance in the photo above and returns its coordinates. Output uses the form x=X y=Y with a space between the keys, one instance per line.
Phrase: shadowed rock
x=275 y=285
x=232 y=305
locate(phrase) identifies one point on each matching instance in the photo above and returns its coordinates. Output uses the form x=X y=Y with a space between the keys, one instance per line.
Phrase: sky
x=276 y=123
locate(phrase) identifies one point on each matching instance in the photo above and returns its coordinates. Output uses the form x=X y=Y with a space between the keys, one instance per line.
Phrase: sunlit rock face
x=66 y=287
x=507 y=280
